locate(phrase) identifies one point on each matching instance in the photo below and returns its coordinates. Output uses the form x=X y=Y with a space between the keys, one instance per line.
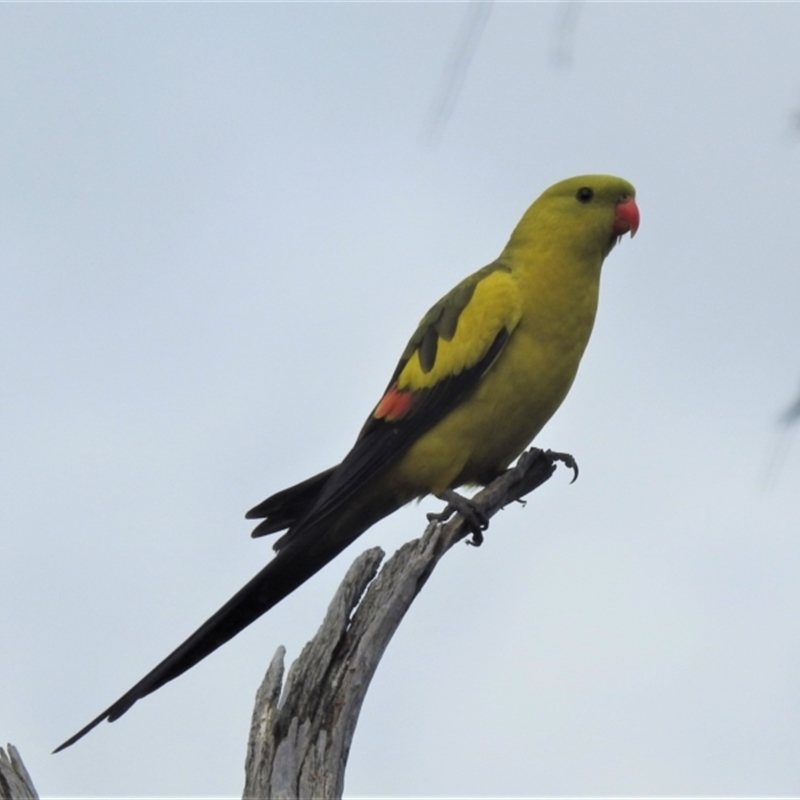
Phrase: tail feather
x=319 y=528
x=283 y=509
x=288 y=570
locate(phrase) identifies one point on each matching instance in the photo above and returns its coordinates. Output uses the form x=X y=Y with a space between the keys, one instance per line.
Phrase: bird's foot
x=474 y=516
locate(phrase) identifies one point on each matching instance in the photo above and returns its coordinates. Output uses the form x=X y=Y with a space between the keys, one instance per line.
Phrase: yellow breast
x=518 y=394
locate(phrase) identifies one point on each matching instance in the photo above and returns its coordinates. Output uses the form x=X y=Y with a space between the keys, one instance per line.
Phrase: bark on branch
x=15 y=783
x=301 y=733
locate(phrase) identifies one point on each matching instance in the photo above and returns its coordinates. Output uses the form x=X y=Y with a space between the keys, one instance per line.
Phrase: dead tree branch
x=301 y=734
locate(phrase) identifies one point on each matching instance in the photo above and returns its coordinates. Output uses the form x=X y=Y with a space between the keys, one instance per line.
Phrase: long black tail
x=291 y=567
x=323 y=514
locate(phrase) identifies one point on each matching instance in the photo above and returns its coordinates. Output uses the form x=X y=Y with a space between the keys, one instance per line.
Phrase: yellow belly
x=499 y=419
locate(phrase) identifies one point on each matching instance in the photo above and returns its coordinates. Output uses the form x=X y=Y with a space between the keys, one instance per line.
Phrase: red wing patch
x=395 y=404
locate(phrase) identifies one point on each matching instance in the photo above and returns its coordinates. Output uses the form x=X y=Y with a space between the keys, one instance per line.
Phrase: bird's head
x=588 y=213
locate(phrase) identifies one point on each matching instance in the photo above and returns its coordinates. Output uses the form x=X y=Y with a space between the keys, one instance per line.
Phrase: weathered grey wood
x=279 y=745
x=300 y=737
x=15 y=783
x=300 y=734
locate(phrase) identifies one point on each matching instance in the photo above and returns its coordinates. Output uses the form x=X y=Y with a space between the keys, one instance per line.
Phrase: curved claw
x=476 y=539
x=567 y=460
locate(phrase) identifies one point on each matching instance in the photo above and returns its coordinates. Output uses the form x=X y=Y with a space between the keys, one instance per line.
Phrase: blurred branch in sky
x=564 y=34
x=466 y=44
x=794 y=121
x=782 y=444
x=792 y=414
x=457 y=66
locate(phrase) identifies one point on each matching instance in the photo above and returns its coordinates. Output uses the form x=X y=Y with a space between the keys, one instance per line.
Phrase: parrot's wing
x=455 y=345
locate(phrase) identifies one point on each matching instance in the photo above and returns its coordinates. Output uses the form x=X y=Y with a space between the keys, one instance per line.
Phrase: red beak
x=626 y=217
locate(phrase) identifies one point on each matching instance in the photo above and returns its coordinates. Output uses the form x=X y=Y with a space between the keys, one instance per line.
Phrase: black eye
x=584 y=194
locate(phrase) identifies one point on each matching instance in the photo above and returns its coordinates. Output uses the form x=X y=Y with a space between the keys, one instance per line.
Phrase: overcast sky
x=220 y=224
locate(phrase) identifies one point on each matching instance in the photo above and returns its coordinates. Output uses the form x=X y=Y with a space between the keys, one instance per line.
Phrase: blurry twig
x=776 y=458
x=794 y=122
x=457 y=66
x=465 y=46
x=782 y=444
x=566 y=22
x=792 y=414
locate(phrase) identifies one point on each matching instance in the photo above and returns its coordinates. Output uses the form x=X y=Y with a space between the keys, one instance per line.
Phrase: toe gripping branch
x=475 y=518
x=533 y=468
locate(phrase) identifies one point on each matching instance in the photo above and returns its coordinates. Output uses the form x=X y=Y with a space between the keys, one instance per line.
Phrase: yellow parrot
x=487 y=367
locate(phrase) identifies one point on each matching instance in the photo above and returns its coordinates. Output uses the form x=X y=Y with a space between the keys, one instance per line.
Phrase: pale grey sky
x=221 y=222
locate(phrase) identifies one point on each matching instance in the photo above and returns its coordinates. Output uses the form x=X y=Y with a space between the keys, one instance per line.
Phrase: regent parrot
x=487 y=367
